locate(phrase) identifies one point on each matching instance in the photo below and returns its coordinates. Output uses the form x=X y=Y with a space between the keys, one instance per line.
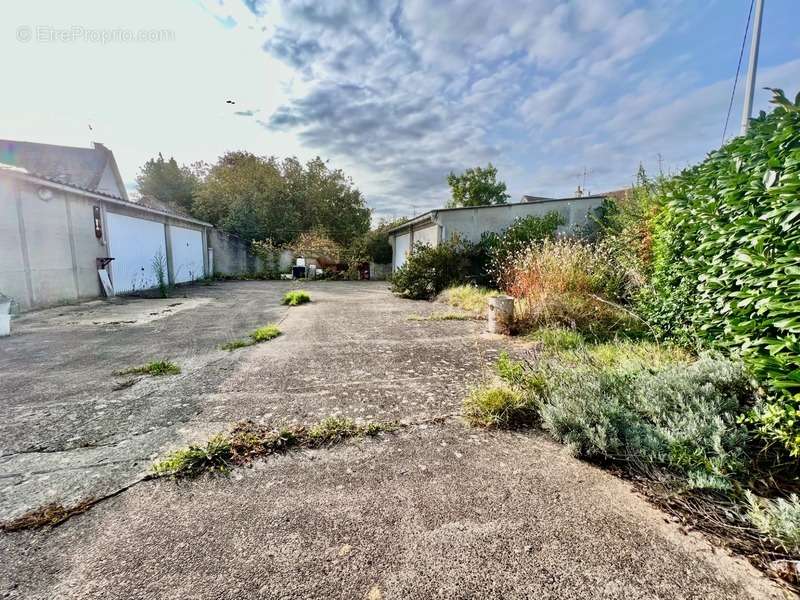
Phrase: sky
x=397 y=93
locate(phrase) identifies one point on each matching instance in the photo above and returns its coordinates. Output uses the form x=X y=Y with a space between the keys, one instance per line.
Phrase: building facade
x=471 y=223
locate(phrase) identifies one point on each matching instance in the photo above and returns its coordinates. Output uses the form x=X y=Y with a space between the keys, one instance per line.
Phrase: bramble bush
x=726 y=268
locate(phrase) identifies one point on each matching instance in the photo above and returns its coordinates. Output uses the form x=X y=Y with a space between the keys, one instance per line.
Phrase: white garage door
x=135 y=245
x=401 y=248
x=187 y=253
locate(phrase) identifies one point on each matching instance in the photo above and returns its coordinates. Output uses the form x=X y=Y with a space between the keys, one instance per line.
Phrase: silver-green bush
x=680 y=416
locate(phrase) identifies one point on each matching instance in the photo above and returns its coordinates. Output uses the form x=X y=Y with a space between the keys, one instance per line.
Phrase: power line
x=738 y=69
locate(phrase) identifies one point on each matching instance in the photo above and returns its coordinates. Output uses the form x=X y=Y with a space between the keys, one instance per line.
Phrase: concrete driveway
x=436 y=510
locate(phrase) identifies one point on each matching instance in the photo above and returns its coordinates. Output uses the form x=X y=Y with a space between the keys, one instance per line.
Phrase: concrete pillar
x=168 y=250
x=5 y=317
x=501 y=314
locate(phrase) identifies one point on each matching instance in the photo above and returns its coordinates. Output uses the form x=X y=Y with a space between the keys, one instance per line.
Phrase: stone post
x=5 y=316
x=501 y=314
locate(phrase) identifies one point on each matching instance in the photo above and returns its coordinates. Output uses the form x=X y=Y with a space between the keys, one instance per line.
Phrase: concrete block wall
x=232 y=255
x=47 y=246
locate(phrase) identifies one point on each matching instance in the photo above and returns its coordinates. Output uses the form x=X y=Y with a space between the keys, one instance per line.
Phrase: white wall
x=427 y=235
x=471 y=223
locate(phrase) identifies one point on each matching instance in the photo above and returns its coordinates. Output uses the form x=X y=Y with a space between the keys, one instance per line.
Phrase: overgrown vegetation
x=568 y=283
x=296 y=297
x=157 y=368
x=726 y=271
x=248 y=440
x=262 y=334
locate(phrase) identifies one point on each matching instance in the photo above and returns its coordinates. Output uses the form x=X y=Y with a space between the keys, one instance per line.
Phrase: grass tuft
x=443 y=316
x=154 y=369
x=557 y=338
x=296 y=297
x=262 y=334
x=499 y=406
x=194 y=460
x=468 y=297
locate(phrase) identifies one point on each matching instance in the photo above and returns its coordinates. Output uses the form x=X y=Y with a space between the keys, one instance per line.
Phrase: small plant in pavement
x=248 y=440
x=296 y=297
x=154 y=369
x=262 y=334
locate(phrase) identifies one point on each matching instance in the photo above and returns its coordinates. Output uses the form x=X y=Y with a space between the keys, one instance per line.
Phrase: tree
x=164 y=180
x=258 y=197
x=477 y=187
x=374 y=245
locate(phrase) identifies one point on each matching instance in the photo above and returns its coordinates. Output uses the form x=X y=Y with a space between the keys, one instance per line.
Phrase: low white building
x=63 y=210
x=471 y=223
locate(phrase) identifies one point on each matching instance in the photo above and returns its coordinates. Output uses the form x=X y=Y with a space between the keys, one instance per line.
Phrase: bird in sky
x=229 y=102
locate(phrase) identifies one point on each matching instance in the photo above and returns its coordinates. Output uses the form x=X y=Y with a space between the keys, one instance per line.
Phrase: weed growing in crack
x=262 y=334
x=248 y=440
x=153 y=369
x=194 y=460
x=49 y=515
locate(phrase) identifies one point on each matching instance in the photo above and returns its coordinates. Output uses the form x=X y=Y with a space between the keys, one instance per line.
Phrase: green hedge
x=727 y=260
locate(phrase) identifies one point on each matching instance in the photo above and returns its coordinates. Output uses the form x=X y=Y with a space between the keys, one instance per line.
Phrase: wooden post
x=501 y=314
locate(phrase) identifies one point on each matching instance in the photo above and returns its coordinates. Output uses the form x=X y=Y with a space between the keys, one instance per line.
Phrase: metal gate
x=136 y=245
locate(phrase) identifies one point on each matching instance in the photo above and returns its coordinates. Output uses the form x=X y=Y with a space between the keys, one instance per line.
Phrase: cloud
x=402 y=92
x=245 y=113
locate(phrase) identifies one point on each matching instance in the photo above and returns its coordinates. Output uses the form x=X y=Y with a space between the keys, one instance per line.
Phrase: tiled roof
x=82 y=168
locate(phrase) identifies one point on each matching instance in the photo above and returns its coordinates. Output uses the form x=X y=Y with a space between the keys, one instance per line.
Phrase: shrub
x=678 y=416
x=296 y=297
x=561 y=284
x=499 y=406
x=468 y=297
x=430 y=269
x=491 y=255
x=778 y=520
x=622 y=229
x=270 y=255
x=727 y=260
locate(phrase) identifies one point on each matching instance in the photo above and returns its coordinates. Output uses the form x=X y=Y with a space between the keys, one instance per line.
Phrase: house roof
x=428 y=216
x=24 y=174
x=82 y=168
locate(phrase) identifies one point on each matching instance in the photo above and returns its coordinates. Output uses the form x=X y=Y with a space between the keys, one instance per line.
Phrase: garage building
x=470 y=223
x=63 y=210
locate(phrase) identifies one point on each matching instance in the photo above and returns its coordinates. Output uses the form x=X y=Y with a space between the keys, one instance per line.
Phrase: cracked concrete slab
x=435 y=510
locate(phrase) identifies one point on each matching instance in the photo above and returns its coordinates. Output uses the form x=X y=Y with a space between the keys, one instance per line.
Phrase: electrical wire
x=738 y=69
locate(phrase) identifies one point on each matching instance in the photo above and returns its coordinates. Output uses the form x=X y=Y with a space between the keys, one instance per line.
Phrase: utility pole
x=750 y=85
